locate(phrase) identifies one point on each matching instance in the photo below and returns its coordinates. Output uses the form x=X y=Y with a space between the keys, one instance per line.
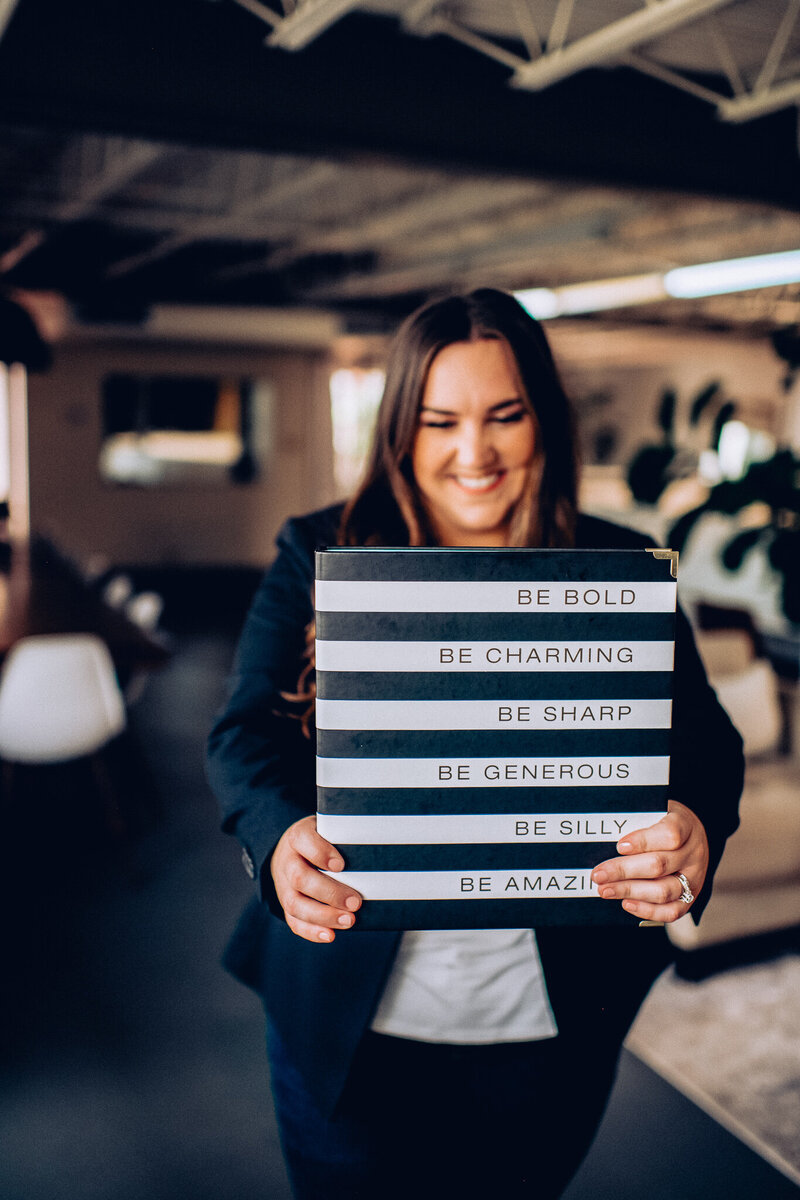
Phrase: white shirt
x=466 y=986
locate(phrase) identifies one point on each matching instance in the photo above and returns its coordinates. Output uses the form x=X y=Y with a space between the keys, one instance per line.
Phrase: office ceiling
x=159 y=152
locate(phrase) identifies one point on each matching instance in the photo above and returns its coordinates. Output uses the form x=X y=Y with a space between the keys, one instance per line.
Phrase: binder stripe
x=432 y=743
x=483 y=856
x=420 y=685
x=497 y=656
x=421 y=801
x=517 y=828
x=486 y=772
x=503 y=563
x=518 y=910
x=348 y=595
x=493 y=714
x=462 y=885
x=465 y=626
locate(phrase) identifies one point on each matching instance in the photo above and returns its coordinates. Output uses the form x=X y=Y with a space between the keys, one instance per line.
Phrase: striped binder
x=489 y=724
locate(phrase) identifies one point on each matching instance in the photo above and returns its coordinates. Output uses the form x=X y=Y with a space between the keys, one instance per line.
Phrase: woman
x=460 y=1061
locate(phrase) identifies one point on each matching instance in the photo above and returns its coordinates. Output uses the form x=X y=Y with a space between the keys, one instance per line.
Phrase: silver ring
x=687 y=895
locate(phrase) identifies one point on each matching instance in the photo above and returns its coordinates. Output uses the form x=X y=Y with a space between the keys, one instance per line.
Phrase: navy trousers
x=424 y=1121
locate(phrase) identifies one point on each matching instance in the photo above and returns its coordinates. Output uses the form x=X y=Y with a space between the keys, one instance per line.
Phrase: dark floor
x=133 y=1067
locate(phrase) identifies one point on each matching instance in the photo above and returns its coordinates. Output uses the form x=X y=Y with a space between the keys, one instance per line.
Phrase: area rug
x=731 y=1044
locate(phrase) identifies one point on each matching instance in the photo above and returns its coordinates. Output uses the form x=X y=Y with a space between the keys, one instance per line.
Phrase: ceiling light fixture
x=575 y=298
x=734 y=275
x=704 y=279
x=541 y=303
x=307 y=21
x=609 y=293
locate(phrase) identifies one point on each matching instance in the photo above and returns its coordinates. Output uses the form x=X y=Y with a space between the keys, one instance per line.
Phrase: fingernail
x=346 y=919
x=353 y=903
x=623 y=846
x=325 y=935
x=335 y=864
x=607 y=893
x=599 y=876
x=630 y=906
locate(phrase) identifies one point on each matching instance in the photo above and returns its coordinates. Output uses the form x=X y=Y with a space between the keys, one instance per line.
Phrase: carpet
x=731 y=1044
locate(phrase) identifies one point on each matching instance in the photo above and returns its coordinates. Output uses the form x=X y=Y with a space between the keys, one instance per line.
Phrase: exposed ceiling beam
x=560 y=26
x=778 y=48
x=340 y=96
x=124 y=160
x=758 y=104
x=441 y=23
x=724 y=53
x=267 y=15
x=455 y=200
x=657 y=70
x=305 y=180
x=31 y=240
x=515 y=252
x=6 y=13
x=764 y=97
x=626 y=236
x=616 y=43
x=309 y=20
x=606 y=44
x=529 y=30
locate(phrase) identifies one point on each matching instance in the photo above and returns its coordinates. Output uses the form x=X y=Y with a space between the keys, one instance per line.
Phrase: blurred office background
x=213 y=213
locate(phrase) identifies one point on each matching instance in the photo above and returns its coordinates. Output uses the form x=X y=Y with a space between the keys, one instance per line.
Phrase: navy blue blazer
x=261 y=767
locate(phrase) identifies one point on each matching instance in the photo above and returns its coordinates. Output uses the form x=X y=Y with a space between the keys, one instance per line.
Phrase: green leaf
x=666 y=412
x=679 y=533
x=734 y=552
x=724 y=415
x=647 y=473
x=702 y=401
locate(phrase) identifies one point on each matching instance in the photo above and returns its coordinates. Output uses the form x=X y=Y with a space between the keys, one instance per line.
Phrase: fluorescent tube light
x=541 y=303
x=733 y=275
x=705 y=279
x=609 y=293
x=544 y=303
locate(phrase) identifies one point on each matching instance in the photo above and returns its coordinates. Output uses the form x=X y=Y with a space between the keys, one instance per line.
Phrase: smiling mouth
x=480 y=483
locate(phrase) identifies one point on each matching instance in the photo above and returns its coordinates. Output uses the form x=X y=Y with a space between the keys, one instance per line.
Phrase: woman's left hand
x=645 y=877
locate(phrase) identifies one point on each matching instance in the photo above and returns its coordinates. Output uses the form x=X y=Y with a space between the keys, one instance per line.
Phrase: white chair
x=751 y=700
x=725 y=651
x=145 y=610
x=59 y=699
x=95 y=567
x=118 y=591
x=757 y=886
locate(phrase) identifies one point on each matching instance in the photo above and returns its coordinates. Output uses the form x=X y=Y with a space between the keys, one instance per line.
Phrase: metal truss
x=6 y=13
x=300 y=21
x=550 y=55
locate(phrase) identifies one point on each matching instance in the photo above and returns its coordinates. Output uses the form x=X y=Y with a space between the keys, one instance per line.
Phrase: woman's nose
x=474 y=446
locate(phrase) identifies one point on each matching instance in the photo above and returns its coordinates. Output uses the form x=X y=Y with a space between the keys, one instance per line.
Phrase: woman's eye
x=504 y=418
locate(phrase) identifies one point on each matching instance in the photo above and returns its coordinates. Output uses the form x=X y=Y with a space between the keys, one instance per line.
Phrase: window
x=5 y=442
x=168 y=429
x=355 y=395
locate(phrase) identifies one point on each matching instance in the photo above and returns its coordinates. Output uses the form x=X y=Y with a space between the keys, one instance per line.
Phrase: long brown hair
x=386 y=509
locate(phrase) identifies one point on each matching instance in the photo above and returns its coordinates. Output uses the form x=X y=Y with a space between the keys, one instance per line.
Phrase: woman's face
x=474 y=445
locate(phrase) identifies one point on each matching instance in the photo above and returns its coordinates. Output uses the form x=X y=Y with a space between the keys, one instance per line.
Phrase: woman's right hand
x=315 y=905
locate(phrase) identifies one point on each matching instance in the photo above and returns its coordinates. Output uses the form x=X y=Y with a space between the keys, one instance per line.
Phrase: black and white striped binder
x=489 y=724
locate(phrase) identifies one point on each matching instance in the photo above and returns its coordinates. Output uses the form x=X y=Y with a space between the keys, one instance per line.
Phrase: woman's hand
x=645 y=877
x=314 y=904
